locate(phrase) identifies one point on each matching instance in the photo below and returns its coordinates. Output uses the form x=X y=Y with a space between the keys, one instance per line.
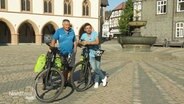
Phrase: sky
x=114 y=3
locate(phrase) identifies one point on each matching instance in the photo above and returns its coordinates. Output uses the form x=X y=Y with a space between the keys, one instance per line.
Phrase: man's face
x=88 y=29
x=66 y=25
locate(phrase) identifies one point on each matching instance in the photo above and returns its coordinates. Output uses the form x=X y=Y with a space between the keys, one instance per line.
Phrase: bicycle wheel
x=50 y=90
x=80 y=76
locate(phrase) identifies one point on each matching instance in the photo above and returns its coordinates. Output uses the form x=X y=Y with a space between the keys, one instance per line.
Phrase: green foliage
x=126 y=17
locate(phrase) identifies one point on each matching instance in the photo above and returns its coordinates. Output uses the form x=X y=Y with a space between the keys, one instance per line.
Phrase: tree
x=126 y=17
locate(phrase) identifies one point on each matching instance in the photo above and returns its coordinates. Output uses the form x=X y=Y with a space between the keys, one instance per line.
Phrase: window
x=86 y=8
x=180 y=29
x=2 y=4
x=161 y=7
x=48 y=6
x=137 y=10
x=180 y=5
x=25 y=5
x=67 y=7
x=112 y=21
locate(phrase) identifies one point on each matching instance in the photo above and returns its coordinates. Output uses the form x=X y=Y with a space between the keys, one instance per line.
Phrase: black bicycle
x=81 y=73
x=49 y=83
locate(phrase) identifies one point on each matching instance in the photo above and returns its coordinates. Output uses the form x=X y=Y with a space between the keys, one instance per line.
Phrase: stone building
x=26 y=21
x=165 y=19
x=114 y=18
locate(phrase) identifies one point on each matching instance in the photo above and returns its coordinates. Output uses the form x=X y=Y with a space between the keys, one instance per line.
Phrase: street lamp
x=103 y=3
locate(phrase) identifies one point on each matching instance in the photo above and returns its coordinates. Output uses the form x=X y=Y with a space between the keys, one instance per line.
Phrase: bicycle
x=51 y=77
x=81 y=75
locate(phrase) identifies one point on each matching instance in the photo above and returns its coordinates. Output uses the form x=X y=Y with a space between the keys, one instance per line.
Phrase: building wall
x=13 y=17
x=161 y=25
x=178 y=17
x=157 y=25
x=114 y=21
x=105 y=30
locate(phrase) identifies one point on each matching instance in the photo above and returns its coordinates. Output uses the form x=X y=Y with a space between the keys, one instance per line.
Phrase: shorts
x=72 y=60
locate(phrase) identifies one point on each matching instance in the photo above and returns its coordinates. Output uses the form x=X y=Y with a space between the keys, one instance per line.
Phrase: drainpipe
x=173 y=26
x=99 y=2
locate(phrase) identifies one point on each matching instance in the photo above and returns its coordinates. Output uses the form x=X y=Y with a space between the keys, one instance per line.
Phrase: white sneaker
x=96 y=85
x=104 y=81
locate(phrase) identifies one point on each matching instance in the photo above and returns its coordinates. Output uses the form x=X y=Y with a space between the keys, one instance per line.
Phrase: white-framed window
x=86 y=8
x=180 y=5
x=117 y=13
x=2 y=4
x=67 y=7
x=137 y=10
x=48 y=6
x=180 y=29
x=161 y=6
x=113 y=14
x=116 y=22
x=120 y=12
x=26 y=5
x=112 y=22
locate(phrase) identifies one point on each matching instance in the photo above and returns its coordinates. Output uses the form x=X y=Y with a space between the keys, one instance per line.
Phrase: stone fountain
x=136 y=42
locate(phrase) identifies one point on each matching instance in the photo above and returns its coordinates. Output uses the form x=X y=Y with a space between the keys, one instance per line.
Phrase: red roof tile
x=120 y=6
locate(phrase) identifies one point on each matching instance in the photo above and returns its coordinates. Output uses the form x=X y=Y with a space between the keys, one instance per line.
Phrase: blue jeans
x=95 y=64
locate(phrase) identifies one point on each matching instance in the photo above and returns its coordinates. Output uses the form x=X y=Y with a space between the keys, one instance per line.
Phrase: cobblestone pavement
x=155 y=77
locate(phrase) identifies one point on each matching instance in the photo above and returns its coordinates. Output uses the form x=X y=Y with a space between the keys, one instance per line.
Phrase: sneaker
x=96 y=85
x=104 y=81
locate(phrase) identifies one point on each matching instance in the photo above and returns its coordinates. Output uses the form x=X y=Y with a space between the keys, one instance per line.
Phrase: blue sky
x=114 y=3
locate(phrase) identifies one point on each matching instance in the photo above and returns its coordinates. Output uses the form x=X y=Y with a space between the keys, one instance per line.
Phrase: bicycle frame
x=85 y=54
x=49 y=63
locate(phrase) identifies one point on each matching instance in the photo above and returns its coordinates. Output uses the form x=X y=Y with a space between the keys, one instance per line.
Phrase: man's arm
x=96 y=42
x=55 y=38
x=75 y=46
x=75 y=40
x=53 y=43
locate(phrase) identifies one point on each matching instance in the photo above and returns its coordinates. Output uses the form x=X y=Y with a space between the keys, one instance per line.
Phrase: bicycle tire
x=87 y=76
x=58 y=92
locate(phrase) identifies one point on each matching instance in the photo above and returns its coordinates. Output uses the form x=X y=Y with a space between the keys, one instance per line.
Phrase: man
x=90 y=38
x=67 y=44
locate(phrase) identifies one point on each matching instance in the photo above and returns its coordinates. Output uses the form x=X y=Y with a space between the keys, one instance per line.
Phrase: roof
x=120 y=6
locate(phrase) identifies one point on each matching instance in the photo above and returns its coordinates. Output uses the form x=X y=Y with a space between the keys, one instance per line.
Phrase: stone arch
x=52 y=23
x=5 y=34
x=49 y=28
x=27 y=32
x=9 y=24
x=35 y=27
x=81 y=31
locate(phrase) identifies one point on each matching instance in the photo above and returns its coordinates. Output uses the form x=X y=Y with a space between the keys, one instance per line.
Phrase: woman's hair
x=87 y=24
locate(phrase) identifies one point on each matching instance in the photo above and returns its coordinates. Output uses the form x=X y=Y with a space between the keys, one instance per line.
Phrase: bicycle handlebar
x=53 y=49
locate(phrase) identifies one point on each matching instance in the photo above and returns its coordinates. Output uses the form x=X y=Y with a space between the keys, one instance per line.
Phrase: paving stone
x=158 y=80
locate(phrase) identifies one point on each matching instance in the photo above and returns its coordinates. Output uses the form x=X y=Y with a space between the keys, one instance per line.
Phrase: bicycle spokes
x=47 y=87
x=80 y=78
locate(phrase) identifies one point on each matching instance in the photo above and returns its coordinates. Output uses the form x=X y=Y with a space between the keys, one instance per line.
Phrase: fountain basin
x=137 y=23
x=137 y=43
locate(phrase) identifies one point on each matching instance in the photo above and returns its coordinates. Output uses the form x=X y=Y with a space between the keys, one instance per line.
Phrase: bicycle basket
x=39 y=66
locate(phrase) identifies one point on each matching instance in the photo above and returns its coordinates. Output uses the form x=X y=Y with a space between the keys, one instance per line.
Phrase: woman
x=91 y=38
